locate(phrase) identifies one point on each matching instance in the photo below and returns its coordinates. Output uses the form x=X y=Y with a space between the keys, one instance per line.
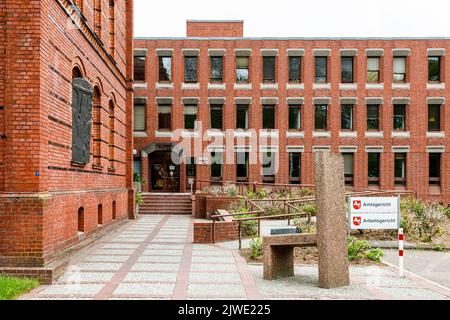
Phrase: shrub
x=249 y=227
x=309 y=208
x=303 y=192
x=230 y=190
x=303 y=225
x=421 y=220
x=447 y=212
x=375 y=254
x=273 y=211
x=357 y=248
x=438 y=247
x=256 y=248
x=138 y=198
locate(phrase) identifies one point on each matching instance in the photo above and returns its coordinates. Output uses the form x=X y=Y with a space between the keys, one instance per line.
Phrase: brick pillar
x=145 y=172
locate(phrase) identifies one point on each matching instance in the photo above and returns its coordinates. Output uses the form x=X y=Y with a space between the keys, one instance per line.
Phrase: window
x=268 y=167
x=191 y=168
x=112 y=27
x=435 y=169
x=294 y=118
x=242 y=117
x=373 y=117
x=349 y=166
x=294 y=167
x=216 y=165
x=139 y=116
x=294 y=69
x=399 y=117
x=347 y=117
x=137 y=166
x=216 y=69
x=347 y=69
x=114 y=211
x=190 y=116
x=400 y=169
x=434 y=117
x=373 y=70
x=374 y=168
x=268 y=117
x=321 y=117
x=139 y=68
x=100 y=214
x=434 y=69
x=242 y=160
x=165 y=69
x=216 y=117
x=165 y=117
x=321 y=69
x=242 y=73
x=399 y=69
x=81 y=219
x=190 y=69
x=269 y=69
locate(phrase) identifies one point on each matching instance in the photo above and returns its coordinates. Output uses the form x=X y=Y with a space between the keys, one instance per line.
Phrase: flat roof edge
x=291 y=38
x=214 y=21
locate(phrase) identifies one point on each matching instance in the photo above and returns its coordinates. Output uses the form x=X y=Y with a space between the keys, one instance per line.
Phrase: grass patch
x=11 y=288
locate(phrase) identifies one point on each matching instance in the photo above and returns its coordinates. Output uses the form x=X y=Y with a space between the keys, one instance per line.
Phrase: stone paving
x=154 y=258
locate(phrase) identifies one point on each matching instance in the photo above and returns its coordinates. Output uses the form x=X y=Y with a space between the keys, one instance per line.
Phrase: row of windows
x=321 y=117
x=268 y=171
x=269 y=75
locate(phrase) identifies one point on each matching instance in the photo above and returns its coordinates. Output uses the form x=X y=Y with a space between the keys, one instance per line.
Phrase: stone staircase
x=166 y=203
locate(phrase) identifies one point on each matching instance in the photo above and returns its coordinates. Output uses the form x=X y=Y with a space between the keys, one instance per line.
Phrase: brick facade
x=209 y=36
x=43 y=195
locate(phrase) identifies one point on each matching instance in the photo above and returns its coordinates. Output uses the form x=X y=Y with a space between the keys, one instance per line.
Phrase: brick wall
x=195 y=28
x=224 y=231
x=41 y=190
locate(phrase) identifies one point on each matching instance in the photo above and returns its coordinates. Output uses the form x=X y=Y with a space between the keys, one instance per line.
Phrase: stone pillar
x=331 y=220
x=145 y=171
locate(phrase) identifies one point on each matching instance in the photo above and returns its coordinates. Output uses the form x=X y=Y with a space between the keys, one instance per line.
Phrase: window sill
x=269 y=86
x=295 y=86
x=242 y=133
x=400 y=134
x=295 y=134
x=243 y=86
x=435 y=134
x=140 y=85
x=163 y=134
x=317 y=86
x=435 y=86
x=190 y=134
x=97 y=167
x=164 y=85
x=378 y=86
x=217 y=86
x=374 y=134
x=272 y=133
x=190 y=86
x=404 y=86
x=215 y=133
x=348 y=134
x=348 y=86
x=321 y=134
x=140 y=134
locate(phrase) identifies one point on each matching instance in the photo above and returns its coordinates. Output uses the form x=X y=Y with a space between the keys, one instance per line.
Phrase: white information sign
x=378 y=213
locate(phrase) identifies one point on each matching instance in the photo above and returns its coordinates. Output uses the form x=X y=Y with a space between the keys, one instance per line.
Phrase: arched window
x=112 y=27
x=97 y=126
x=111 y=134
x=98 y=17
x=81 y=219
x=76 y=73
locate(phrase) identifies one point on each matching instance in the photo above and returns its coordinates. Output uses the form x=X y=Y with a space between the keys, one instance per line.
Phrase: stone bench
x=278 y=252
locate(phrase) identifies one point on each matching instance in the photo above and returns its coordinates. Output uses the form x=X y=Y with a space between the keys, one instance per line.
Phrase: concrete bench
x=278 y=252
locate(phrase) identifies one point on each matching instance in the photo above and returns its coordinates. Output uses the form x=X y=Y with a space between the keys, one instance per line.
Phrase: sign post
x=377 y=213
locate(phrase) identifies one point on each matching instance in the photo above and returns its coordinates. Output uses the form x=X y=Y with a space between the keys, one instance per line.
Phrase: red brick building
x=65 y=173
x=383 y=103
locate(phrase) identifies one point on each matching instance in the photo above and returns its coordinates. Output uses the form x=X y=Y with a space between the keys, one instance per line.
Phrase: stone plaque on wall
x=81 y=120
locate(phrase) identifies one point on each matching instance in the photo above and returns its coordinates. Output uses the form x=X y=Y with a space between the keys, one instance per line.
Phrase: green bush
x=309 y=208
x=139 y=199
x=357 y=248
x=375 y=254
x=273 y=211
x=447 y=212
x=303 y=225
x=438 y=247
x=11 y=288
x=249 y=227
x=256 y=248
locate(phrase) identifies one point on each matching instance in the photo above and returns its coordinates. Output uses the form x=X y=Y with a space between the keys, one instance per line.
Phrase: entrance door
x=164 y=174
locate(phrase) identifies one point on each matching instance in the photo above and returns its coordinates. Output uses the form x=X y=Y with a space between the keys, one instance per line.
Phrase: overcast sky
x=299 y=18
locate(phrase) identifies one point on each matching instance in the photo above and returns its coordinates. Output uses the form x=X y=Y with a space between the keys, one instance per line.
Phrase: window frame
x=352 y=80
x=435 y=180
x=185 y=69
x=394 y=80
x=266 y=78
x=349 y=178
x=170 y=118
x=294 y=179
x=211 y=69
x=318 y=79
x=374 y=180
x=245 y=165
x=400 y=181
x=299 y=117
x=219 y=165
x=240 y=68
x=267 y=107
x=292 y=78
x=401 y=116
x=378 y=72
x=377 y=119
x=144 y=69
x=352 y=109
x=438 y=127
x=187 y=114
x=439 y=64
x=316 y=106
x=246 y=107
x=161 y=66
x=216 y=107
x=144 y=106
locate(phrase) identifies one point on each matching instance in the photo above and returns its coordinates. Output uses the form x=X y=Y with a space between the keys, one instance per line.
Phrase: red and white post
x=400 y=252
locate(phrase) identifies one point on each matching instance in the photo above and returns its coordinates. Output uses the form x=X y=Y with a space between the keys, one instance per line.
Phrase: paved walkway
x=153 y=258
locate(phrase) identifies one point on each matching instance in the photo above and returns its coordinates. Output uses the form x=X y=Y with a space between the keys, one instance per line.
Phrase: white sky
x=299 y=18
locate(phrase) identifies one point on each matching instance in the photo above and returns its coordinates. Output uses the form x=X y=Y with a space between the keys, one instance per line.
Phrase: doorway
x=164 y=174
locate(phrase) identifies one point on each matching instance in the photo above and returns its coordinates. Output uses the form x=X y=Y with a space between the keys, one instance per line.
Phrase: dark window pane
x=191 y=168
x=165 y=69
x=189 y=121
x=242 y=69
x=321 y=116
x=434 y=68
x=294 y=117
x=347 y=69
x=190 y=69
x=349 y=165
x=216 y=117
x=399 y=117
x=400 y=169
x=139 y=69
x=321 y=69
x=216 y=69
x=373 y=117
x=269 y=69
x=216 y=165
x=347 y=117
x=434 y=168
x=268 y=164
x=374 y=168
x=294 y=69
x=434 y=117
x=242 y=117
x=268 y=117
x=294 y=165
x=164 y=122
x=242 y=159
